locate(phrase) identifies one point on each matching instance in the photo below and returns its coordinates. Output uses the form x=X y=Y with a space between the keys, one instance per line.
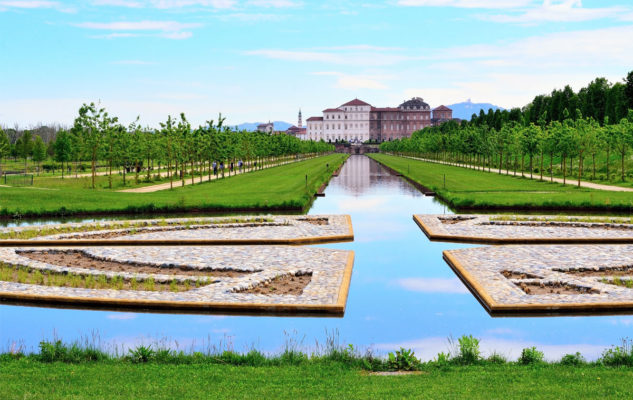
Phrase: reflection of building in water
x=355 y=176
x=360 y=173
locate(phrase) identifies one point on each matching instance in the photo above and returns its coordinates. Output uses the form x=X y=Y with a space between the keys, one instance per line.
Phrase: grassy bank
x=464 y=188
x=277 y=188
x=60 y=371
x=21 y=380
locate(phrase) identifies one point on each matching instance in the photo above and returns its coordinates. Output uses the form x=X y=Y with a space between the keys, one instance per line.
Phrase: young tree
x=39 y=152
x=5 y=147
x=90 y=126
x=63 y=150
x=622 y=142
x=530 y=143
x=24 y=147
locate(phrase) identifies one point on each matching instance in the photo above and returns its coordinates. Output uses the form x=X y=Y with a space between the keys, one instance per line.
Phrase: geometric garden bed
x=200 y=279
x=547 y=279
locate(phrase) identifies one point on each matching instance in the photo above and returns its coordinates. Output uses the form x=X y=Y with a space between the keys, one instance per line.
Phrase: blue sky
x=255 y=60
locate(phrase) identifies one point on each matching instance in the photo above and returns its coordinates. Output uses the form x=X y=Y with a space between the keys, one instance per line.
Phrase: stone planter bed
x=503 y=229
x=250 y=279
x=549 y=279
x=280 y=229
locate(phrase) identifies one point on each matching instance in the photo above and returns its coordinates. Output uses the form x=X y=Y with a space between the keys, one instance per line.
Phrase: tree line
x=519 y=146
x=98 y=137
x=544 y=131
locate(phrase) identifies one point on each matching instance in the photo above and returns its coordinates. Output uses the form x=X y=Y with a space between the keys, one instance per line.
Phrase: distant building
x=357 y=121
x=268 y=128
x=298 y=131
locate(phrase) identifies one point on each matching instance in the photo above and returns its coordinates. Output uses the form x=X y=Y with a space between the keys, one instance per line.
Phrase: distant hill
x=467 y=108
x=252 y=126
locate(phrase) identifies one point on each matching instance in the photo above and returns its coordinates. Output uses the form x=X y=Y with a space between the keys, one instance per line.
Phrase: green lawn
x=471 y=189
x=26 y=379
x=277 y=188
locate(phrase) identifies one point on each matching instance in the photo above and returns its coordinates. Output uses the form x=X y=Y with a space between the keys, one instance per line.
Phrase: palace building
x=357 y=121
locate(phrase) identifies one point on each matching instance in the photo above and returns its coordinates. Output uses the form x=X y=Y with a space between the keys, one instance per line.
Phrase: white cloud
x=166 y=26
x=165 y=29
x=118 y=3
x=121 y=316
x=34 y=4
x=275 y=3
x=166 y=4
x=432 y=285
x=253 y=17
x=467 y=3
x=356 y=81
x=565 y=11
x=345 y=55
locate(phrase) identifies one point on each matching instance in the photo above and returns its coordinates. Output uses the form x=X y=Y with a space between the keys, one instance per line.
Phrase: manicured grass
x=471 y=189
x=276 y=188
x=115 y=380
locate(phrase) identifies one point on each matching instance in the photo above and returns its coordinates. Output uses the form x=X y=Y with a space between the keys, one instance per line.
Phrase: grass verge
x=60 y=371
x=289 y=187
x=468 y=189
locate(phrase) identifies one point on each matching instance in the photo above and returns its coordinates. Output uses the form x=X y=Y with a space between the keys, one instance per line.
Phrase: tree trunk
x=531 y=156
x=551 y=167
x=579 y=169
x=564 y=170
x=542 y=154
x=623 y=166
x=608 y=177
x=593 y=160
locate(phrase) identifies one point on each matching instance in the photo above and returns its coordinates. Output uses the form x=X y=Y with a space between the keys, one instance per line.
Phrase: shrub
x=618 y=355
x=141 y=354
x=531 y=355
x=573 y=359
x=468 y=350
x=496 y=358
x=403 y=360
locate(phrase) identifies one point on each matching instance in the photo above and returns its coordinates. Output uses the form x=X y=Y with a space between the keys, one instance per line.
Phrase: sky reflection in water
x=402 y=294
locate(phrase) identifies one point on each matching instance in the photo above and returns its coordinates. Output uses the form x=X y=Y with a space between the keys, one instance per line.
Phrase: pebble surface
x=538 y=227
x=548 y=263
x=267 y=262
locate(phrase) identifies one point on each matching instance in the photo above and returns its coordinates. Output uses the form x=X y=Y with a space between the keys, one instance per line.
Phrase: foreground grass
x=470 y=189
x=35 y=380
x=278 y=188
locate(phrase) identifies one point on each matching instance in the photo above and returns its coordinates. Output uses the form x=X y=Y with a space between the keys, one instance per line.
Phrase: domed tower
x=416 y=115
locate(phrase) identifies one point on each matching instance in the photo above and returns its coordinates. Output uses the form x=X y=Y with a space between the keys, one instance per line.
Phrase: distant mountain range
x=466 y=109
x=252 y=126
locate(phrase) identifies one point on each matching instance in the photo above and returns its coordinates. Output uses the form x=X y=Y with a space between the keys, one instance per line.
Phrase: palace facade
x=357 y=121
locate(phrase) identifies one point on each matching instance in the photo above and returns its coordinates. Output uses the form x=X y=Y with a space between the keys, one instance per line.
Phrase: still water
x=402 y=294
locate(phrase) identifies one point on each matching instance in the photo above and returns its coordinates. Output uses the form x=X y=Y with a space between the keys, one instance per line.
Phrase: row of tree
x=519 y=144
x=98 y=137
x=600 y=100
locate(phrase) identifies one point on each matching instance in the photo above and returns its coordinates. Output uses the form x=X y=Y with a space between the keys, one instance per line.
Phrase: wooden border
x=494 y=308
x=182 y=242
x=428 y=231
x=336 y=309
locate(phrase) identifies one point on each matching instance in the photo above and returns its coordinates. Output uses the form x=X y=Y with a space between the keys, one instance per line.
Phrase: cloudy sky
x=257 y=60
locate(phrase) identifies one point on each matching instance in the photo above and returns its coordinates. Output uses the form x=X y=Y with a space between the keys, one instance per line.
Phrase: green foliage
x=142 y=354
x=621 y=355
x=575 y=359
x=530 y=355
x=468 y=350
x=403 y=360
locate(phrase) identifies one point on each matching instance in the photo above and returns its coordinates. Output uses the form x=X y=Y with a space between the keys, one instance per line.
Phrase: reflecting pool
x=402 y=294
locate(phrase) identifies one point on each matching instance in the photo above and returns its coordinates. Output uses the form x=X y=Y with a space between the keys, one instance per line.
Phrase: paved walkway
x=571 y=181
x=178 y=183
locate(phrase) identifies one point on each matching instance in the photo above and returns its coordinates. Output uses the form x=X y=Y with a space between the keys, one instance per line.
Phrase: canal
x=402 y=294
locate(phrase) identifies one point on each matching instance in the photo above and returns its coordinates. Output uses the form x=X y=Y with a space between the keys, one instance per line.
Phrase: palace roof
x=415 y=103
x=315 y=119
x=333 y=110
x=356 y=102
x=442 y=108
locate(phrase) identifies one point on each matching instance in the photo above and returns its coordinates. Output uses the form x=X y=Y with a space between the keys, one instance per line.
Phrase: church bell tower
x=300 y=124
